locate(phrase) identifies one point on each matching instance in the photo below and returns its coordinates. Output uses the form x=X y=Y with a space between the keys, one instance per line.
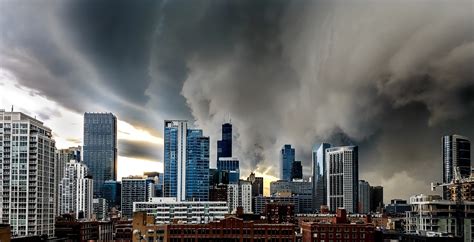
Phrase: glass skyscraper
x=287 y=157
x=319 y=175
x=186 y=162
x=456 y=155
x=224 y=146
x=197 y=166
x=100 y=148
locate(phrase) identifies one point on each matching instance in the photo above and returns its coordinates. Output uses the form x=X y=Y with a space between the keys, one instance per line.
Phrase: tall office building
x=257 y=184
x=343 y=178
x=100 y=148
x=186 y=162
x=64 y=156
x=296 y=170
x=224 y=146
x=319 y=175
x=135 y=189
x=364 y=197
x=27 y=177
x=376 y=198
x=175 y=159
x=76 y=191
x=197 y=166
x=456 y=157
x=231 y=166
x=287 y=157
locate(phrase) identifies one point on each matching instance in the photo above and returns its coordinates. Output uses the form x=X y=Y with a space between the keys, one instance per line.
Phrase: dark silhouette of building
x=218 y=192
x=224 y=146
x=296 y=170
x=257 y=184
x=376 y=198
x=456 y=158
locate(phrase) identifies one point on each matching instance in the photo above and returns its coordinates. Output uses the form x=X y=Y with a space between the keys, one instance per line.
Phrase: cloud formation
x=391 y=77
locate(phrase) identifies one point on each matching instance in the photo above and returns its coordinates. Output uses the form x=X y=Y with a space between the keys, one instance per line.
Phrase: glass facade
x=231 y=166
x=100 y=148
x=319 y=175
x=174 y=157
x=287 y=157
x=197 y=166
x=224 y=146
x=111 y=193
x=456 y=155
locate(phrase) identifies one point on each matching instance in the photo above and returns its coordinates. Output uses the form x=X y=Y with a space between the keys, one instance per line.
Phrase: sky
x=389 y=76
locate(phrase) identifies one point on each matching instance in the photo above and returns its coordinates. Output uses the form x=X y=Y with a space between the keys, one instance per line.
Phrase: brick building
x=339 y=229
x=228 y=229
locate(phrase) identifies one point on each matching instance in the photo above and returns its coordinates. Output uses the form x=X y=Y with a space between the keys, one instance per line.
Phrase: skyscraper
x=186 y=162
x=224 y=146
x=287 y=157
x=64 y=156
x=175 y=159
x=111 y=193
x=296 y=170
x=364 y=197
x=343 y=178
x=456 y=158
x=197 y=166
x=319 y=175
x=76 y=191
x=376 y=198
x=27 y=177
x=100 y=148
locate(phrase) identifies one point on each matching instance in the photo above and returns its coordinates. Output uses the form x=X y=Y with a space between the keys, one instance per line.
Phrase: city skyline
x=394 y=103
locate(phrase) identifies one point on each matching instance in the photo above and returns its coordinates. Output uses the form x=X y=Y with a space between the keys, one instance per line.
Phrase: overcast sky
x=389 y=76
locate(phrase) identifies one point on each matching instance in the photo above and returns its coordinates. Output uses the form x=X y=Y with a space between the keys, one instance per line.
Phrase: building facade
x=76 y=191
x=100 y=148
x=257 y=184
x=287 y=157
x=364 y=197
x=343 y=178
x=64 y=156
x=229 y=229
x=431 y=215
x=135 y=189
x=296 y=170
x=27 y=177
x=197 y=166
x=224 y=146
x=231 y=166
x=319 y=175
x=456 y=158
x=175 y=158
x=239 y=195
x=376 y=198
x=168 y=209
x=111 y=193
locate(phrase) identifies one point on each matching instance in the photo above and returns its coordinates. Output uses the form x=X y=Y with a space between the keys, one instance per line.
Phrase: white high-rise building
x=27 y=175
x=364 y=197
x=175 y=159
x=342 y=178
x=239 y=195
x=76 y=191
x=63 y=156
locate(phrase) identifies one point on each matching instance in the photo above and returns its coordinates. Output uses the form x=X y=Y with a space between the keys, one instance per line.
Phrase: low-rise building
x=228 y=229
x=339 y=229
x=168 y=209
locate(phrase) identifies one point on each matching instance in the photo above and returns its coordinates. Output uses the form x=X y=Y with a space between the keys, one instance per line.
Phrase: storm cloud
x=389 y=76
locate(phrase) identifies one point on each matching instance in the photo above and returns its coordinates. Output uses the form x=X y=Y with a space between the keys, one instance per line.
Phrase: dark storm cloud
x=140 y=150
x=389 y=76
